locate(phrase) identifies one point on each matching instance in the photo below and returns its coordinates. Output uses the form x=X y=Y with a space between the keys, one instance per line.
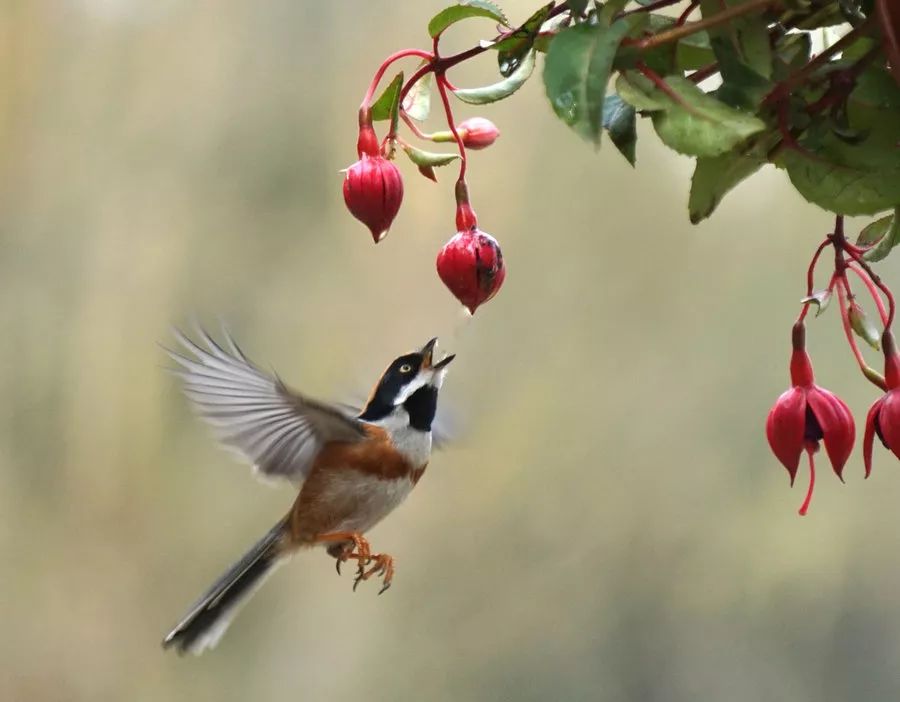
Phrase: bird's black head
x=411 y=382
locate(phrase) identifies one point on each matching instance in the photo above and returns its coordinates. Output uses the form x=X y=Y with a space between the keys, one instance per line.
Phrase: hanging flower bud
x=471 y=266
x=373 y=191
x=883 y=419
x=477 y=133
x=805 y=415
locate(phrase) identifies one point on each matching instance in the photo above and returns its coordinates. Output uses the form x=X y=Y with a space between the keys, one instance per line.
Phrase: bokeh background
x=611 y=525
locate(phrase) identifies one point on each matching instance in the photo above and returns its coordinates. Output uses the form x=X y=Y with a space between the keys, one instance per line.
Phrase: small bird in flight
x=352 y=471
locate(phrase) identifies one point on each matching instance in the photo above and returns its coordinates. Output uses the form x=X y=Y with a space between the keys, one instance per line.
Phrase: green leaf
x=717 y=175
x=514 y=48
x=839 y=188
x=888 y=240
x=638 y=92
x=417 y=103
x=700 y=125
x=428 y=158
x=873 y=232
x=619 y=123
x=386 y=106
x=576 y=72
x=863 y=327
x=501 y=89
x=609 y=11
x=456 y=13
x=819 y=298
x=743 y=40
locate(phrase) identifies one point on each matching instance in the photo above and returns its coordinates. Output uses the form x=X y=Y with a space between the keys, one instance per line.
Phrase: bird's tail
x=206 y=621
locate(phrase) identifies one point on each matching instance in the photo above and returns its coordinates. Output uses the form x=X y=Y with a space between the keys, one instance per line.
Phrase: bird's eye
x=405 y=368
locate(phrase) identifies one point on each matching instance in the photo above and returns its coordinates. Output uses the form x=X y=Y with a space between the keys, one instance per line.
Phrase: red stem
x=873 y=291
x=812 y=483
x=659 y=4
x=379 y=74
x=682 y=18
x=810 y=277
x=845 y=322
x=873 y=276
x=448 y=111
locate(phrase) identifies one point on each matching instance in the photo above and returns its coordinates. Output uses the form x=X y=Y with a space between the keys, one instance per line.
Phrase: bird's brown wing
x=278 y=430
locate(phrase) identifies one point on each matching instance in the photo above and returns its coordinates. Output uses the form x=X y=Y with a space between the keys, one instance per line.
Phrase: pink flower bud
x=471 y=266
x=373 y=191
x=478 y=133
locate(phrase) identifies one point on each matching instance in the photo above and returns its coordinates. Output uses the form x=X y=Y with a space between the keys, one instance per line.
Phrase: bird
x=352 y=468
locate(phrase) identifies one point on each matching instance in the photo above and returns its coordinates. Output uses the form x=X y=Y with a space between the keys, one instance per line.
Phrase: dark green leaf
x=457 y=13
x=717 y=175
x=888 y=240
x=619 y=123
x=744 y=40
x=609 y=11
x=417 y=103
x=576 y=72
x=428 y=158
x=502 y=89
x=385 y=107
x=578 y=6
x=514 y=48
x=639 y=92
x=841 y=188
x=687 y=119
x=873 y=232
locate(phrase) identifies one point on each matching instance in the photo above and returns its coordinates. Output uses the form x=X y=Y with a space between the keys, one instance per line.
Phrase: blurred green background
x=610 y=527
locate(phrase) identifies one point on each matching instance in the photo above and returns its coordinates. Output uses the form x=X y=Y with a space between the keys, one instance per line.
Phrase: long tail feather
x=209 y=617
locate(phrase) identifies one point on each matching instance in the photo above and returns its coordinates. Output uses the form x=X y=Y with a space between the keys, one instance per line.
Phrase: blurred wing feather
x=273 y=427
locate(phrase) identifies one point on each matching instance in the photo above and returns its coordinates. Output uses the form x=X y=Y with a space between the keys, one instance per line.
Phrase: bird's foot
x=347 y=545
x=383 y=565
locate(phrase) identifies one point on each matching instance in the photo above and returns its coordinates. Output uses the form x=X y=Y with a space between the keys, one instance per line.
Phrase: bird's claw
x=383 y=565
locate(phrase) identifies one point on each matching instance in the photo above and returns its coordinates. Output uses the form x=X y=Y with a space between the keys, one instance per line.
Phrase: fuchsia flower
x=373 y=188
x=805 y=415
x=884 y=416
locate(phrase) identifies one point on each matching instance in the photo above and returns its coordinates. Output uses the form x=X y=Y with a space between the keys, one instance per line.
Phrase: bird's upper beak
x=428 y=357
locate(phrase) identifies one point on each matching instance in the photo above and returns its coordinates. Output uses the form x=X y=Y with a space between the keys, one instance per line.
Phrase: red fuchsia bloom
x=884 y=416
x=477 y=133
x=805 y=415
x=471 y=266
x=373 y=188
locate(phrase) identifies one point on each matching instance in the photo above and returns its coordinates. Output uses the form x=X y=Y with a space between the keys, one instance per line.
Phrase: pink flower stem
x=873 y=276
x=870 y=373
x=873 y=291
x=810 y=277
x=448 y=111
x=804 y=508
x=413 y=127
x=379 y=74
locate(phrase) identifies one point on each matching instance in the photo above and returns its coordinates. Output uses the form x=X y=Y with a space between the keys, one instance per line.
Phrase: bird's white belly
x=364 y=499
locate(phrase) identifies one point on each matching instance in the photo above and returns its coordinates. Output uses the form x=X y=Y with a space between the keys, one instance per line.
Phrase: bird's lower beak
x=428 y=354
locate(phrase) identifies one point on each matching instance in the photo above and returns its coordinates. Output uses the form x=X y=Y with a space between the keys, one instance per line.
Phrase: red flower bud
x=805 y=415
x=471 y=266
x=884 y=415
x=477 y=133
x=373 y=191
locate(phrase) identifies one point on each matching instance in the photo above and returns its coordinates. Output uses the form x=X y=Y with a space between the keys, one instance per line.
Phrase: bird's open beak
x=428 y=354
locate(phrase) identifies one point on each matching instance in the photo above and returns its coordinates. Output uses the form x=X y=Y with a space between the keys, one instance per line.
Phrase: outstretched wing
x=276 y=429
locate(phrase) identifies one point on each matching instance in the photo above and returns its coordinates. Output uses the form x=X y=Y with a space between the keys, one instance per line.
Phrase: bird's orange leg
x=360 y=549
